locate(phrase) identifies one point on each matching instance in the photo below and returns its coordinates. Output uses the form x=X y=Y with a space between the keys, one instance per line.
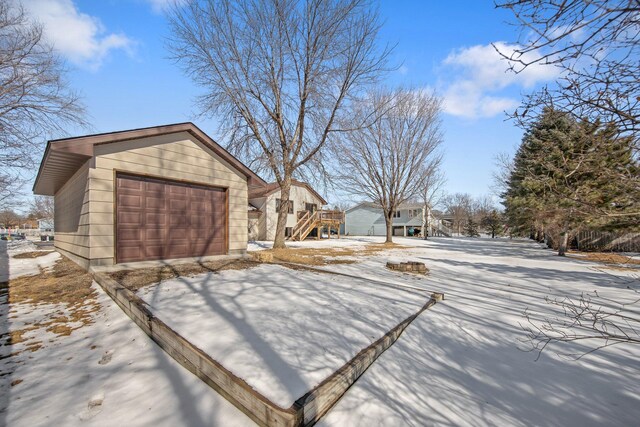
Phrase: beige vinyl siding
x=300 y=195
x=71 y=215
x=174 y=156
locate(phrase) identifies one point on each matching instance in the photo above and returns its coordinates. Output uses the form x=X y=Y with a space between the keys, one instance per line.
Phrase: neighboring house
x=146 y=194
x=367 y=219
x=263 y=204
x=45 y=224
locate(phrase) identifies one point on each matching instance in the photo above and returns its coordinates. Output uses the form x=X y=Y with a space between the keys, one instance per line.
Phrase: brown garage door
x=159 y=219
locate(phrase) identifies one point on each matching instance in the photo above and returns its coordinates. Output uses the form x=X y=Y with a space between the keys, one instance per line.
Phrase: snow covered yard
x=462 y=362
x=106 y=372
x=12 y=267
x=281 y=330
x=459 y=363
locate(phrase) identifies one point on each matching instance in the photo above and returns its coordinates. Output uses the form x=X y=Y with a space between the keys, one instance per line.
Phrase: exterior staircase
x=308 y=220
x=439 y=229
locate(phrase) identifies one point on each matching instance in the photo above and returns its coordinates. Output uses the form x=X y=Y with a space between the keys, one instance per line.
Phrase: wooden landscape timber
x=305 y=411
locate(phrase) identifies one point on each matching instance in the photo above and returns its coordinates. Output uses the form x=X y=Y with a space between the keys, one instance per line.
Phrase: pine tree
x=471 y=228
x=569 y=175
x=492 y=223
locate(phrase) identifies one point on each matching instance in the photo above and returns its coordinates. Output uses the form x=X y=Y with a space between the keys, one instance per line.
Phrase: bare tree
x=35 y=100
x=10 y=182
x=386 y=161
x=42 y=207
x=431 y=193
x=595 y=45
x=9 y=219
x=279 y=75
x=599 y=322
x=460 y=207
x=501 y=175
x=482 y=206
x=342 y=205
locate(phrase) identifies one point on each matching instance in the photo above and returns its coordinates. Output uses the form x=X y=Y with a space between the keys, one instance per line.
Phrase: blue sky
x=117 y=59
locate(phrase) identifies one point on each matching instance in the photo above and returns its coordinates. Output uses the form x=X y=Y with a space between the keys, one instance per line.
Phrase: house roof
x=274 y=187
x=408 y=205
x=63 y=157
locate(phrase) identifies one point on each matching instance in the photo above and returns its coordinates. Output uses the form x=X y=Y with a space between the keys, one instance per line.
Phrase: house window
x=414 y=212
x=290 y=206
x=396 y=214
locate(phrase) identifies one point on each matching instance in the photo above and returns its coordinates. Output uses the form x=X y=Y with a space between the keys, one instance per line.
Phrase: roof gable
x=273 y=187
x=63 y=157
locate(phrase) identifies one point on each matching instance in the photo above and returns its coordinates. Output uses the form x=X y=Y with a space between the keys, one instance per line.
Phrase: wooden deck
x=308 y=221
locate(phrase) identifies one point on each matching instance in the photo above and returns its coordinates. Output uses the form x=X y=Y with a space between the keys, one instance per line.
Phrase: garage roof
x=63 y=157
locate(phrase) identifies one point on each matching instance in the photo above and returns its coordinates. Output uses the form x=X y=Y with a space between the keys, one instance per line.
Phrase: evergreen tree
x=492 y=223
x=471 y=228
x=569 y=175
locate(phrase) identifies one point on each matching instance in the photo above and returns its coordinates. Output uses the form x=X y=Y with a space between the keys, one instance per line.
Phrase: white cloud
x=477 y=79
x=159 y=6
x=81 y=38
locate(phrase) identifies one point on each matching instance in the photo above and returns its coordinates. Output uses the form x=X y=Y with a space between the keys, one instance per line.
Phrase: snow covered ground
x=104 y=374
x=10 y=267
x=459 y=363
x=283 y=331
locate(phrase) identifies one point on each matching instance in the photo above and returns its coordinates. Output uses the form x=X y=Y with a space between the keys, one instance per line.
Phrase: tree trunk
x=427 y=223
x=285 y=189
x=564 y=241
x=389 y=223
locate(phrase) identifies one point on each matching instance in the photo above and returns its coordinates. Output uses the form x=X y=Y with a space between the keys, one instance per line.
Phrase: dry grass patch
x=610 y=259
x=322 y=256
x=66 y=285
x=141 y=277
x=33 y=254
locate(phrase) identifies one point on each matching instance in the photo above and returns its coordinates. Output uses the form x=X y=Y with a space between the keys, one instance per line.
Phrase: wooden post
x=329 y=231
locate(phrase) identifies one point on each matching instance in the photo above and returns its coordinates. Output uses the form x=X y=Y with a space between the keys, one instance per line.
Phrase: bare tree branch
x=589 y=318
x=596 y=46
x=279 y=75
x=390 y=161
x=35 y=100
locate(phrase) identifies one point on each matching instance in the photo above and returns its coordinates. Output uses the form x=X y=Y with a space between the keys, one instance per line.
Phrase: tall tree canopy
x=35 y=100
x=595 y=45
x=392 y=160
x=569 y=175
x=279 y=75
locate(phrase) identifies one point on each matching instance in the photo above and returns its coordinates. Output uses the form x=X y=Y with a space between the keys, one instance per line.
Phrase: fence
x=607 y=241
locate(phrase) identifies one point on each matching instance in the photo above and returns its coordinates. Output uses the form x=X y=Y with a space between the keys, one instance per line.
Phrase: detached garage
x=158 y=193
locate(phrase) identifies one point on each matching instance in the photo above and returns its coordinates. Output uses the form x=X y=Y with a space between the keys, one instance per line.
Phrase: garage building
x=157 y=193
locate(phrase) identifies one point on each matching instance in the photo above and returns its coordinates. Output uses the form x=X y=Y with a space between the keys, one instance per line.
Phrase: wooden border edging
x=234 y=389
x=305 y=411
x=325 y=395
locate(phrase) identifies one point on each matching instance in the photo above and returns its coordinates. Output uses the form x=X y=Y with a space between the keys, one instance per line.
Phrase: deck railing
x=331 y=216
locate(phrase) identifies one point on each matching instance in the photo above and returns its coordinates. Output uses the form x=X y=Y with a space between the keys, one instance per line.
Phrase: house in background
x=156 y=193
x=367 y=219
x=45 y=225
x=264 y=203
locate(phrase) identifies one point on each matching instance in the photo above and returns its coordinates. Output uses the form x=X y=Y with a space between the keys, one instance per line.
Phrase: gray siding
x=364 y=221
x=369 y=221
